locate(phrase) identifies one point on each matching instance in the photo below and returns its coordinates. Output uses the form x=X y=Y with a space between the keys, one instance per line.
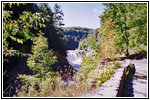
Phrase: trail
x=136 y=86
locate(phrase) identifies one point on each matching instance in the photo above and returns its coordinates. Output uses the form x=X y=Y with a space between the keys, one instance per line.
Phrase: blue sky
x=82 y=14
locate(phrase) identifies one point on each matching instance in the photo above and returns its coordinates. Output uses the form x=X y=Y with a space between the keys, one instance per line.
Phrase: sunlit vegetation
x=35 y=33
x=123 y=32
x=86 y=80
x=22 y=24
x=123 y=28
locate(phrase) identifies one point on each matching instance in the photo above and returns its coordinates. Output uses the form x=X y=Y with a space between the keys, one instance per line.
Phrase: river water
x=74 y=58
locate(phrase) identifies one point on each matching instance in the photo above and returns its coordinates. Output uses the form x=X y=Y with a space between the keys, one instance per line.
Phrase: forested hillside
x=74 y=35
x=86 y=43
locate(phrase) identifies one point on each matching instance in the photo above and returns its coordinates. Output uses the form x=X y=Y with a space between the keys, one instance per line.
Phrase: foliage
x=91 y=41
x=54 y=31
x=83 y=45
x=107 y=72
x=41 y=58
x=23 y=21
x=39 y=61
x=94 y=74
x=21 y=24
x=74 y=35
x=58 y=15
x=90 y=64
x=43 y=88
x=74 y=89
x=129 y=21
x=108 y=40
x=138 y=49
x=19 y=30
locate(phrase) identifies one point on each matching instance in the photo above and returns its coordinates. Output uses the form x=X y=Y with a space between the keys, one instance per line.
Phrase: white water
x=74 y=58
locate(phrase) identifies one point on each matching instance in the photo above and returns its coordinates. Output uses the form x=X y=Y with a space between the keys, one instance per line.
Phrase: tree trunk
x=127 y=49
x=127 y=37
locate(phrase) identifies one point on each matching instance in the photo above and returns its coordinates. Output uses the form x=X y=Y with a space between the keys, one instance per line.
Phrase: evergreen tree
x=41 y=58
x=40 y=62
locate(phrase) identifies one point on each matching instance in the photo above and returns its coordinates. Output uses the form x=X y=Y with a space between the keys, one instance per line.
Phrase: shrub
x=107 y=72
x=41 y=58
x=39 y=61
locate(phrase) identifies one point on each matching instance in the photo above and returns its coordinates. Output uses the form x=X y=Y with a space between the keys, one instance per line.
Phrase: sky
x=82 y=14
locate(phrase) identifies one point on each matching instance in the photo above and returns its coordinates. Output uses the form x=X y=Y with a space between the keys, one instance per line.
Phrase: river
x=74 y=57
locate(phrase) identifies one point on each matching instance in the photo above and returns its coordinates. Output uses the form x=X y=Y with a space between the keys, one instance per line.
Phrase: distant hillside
x=91 y=37
x=74 y=35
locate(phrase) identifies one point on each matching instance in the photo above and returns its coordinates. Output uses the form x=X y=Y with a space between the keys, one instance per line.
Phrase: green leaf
x=20 y=41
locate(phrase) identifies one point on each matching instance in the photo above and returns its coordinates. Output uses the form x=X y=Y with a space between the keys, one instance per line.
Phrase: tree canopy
x=130 y=22
x=123 y=27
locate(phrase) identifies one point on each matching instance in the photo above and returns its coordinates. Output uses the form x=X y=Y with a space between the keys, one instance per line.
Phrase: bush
x=41 y=58
x=39 y=61
x=107 y=72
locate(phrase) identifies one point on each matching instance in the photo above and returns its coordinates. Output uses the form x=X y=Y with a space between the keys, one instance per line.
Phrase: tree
x=58 y=15
x=18 y=30
x=54 y=31
x=21 y=24
x=41 y=58
x=126 y=17
x=40 y=62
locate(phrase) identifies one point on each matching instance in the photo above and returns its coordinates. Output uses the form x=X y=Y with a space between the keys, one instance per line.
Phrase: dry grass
x=74 y=89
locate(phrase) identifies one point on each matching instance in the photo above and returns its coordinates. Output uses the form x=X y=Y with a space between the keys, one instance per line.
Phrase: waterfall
x=74 y=58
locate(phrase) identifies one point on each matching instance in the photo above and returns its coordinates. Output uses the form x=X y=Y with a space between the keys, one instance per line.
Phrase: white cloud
x=95 y=9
